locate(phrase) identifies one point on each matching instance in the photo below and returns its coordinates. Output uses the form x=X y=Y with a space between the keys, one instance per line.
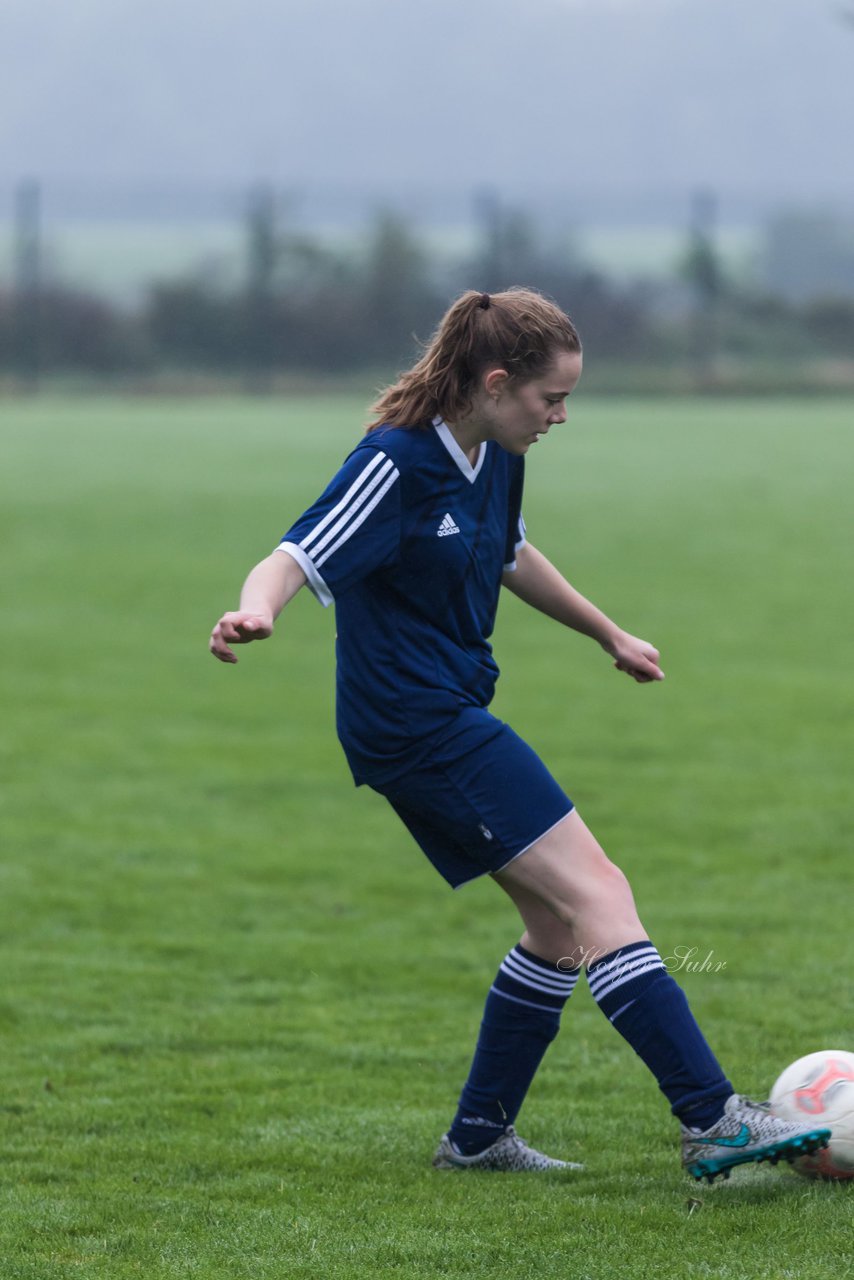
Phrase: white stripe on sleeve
x=351 y=528
x=345 y=501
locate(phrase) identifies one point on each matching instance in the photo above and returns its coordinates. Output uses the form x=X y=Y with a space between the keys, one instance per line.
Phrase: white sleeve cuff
x=517 y=546
x=313 y=579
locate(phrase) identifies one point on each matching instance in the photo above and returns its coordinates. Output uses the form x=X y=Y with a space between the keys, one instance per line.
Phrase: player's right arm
x=269 y=587
x=352 y=529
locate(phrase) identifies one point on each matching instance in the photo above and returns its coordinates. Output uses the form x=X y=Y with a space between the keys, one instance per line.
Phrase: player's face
x=522 y=412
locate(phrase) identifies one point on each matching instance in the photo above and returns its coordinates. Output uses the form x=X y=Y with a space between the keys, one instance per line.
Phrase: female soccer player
x=413 y=540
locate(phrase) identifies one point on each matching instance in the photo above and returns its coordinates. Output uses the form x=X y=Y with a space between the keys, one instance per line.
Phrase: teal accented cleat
x=747 y=1133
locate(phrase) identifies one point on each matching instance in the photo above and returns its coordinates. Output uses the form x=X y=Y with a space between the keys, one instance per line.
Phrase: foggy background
x=684 y=154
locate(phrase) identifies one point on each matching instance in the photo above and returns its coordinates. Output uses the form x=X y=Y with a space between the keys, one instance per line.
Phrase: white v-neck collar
x=443 y=431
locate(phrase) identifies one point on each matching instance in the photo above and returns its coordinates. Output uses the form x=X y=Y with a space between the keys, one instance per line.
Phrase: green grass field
x=238 y=1005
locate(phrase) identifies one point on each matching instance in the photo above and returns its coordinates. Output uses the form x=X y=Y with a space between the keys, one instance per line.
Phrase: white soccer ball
x=819 y=1090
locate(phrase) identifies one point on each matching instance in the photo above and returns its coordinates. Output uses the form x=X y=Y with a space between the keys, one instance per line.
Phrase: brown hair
x=520 y=330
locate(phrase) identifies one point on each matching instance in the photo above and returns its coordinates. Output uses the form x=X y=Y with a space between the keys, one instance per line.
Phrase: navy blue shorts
x=475 y=812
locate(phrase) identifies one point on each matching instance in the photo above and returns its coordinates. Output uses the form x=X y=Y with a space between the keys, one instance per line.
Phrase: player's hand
x=637 y=658
x=238 y=628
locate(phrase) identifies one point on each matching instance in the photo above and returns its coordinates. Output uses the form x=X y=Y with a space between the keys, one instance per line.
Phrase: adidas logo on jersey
x=447 y=527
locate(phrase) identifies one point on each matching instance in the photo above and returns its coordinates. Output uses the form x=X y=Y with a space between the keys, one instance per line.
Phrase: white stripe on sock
x=532 y=1004
x=645 y=964
x=601 y=992
x=522 y=970
x=620 y=964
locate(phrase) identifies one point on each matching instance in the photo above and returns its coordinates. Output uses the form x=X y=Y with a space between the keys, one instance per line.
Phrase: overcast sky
x=749 y=96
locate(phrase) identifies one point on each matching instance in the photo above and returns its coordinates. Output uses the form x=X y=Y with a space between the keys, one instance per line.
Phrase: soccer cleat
x=746 y=1133
x=508 y=1154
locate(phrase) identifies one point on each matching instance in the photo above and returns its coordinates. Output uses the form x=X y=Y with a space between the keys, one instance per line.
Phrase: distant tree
x=702 y=270
x=28 y=305
x=611 y=319
x=507 y=253
x=830 y=322
x=809 y=254
x=191 y=325
x=400 y=301
x=615 y=322
x=318 y=320
x=6 y=322
x=758 y=325
x=259 y=348
x=79 y=331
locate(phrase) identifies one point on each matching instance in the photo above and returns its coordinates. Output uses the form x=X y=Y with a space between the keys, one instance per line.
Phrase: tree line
x=306 y=306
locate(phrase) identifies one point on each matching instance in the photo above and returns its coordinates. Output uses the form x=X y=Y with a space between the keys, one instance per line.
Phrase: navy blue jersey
x=410 y=541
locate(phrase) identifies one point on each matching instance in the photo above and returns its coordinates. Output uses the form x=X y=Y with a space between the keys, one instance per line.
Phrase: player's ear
x=495 y=381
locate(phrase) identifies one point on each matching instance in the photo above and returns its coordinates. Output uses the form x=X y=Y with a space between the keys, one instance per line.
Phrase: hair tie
x=484 y=301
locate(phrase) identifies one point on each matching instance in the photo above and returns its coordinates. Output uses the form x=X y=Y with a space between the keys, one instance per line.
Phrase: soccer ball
x=819 y=1089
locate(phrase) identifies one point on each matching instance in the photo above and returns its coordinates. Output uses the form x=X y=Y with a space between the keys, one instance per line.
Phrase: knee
x=605 y=891
x=615 y=886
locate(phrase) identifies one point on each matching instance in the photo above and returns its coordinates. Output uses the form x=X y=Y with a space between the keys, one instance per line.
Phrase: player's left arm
x=536 y=581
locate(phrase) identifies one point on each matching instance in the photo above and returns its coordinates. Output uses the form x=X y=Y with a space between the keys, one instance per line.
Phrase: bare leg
x=575 y=903
x=579 y=911
x=577 y=907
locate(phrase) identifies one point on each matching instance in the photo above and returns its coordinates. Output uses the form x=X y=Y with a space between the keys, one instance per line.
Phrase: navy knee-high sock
x=649 y=1009
x=521 y=1018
